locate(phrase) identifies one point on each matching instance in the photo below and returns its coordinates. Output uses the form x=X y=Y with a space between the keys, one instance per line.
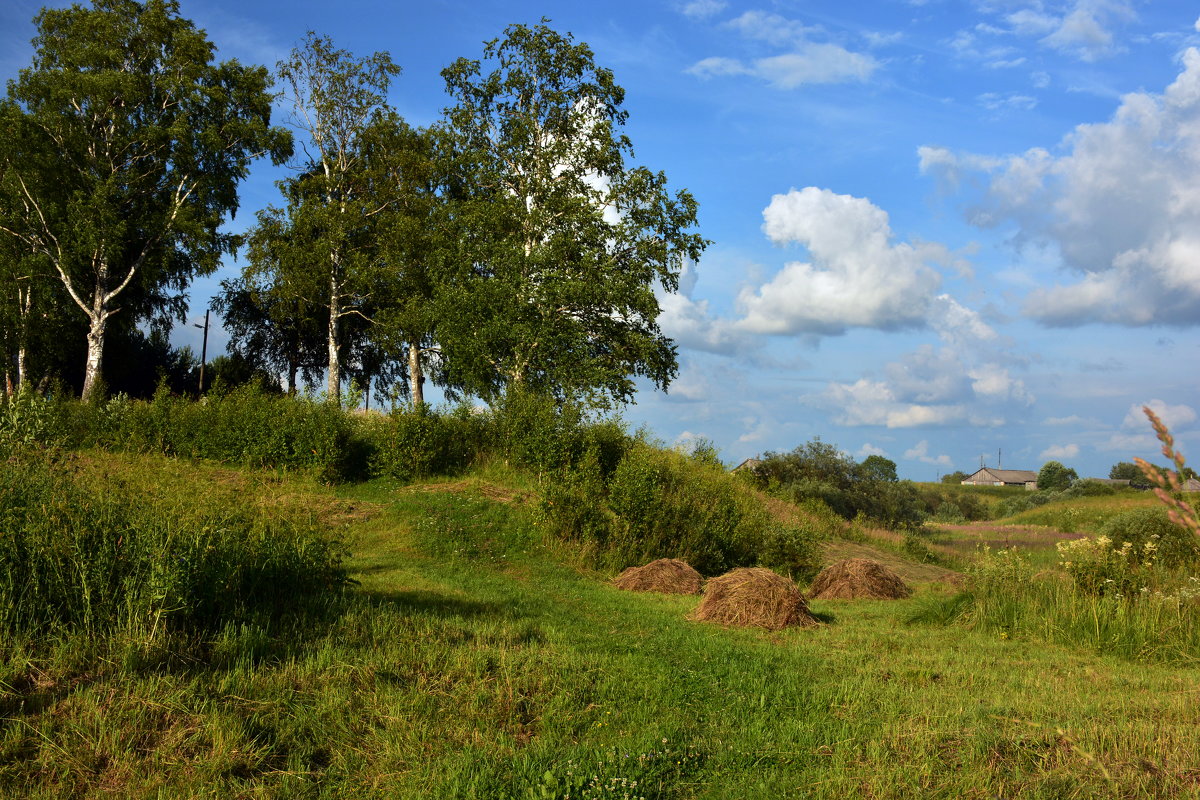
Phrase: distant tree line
x=512 y=244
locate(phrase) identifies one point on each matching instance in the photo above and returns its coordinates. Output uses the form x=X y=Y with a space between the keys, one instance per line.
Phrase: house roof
x=749 y=463
x=1004 y=475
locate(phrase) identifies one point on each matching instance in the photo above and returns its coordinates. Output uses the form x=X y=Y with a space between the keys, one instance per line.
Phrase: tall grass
x=657 y=503
x=1101 y=606
x=89 y=555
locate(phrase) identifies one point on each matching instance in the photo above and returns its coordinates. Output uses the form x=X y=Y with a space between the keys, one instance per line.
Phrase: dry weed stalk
x=1168 y=483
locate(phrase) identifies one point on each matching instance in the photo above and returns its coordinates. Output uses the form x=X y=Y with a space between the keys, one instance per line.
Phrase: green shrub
x=950 y=512
x=27 y=418
x=791 y=550
x=244 y=427
x=667 y=505
x=819 y=471
x=1089 y=488
x=1149 y=531
x=536 y=432
x=575 y=508
x=418 y=443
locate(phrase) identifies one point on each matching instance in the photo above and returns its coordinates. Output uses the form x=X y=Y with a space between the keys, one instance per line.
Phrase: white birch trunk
x=334 y=387
x=25 y=302
x=415 y=377
x=95 y=353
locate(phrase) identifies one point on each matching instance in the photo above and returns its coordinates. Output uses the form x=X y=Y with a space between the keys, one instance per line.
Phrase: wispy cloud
x=804 y=62
x=703 y=9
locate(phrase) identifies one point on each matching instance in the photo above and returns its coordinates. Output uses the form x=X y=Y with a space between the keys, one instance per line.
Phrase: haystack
x=858 y=578
x=753 y=597
x=666 y=575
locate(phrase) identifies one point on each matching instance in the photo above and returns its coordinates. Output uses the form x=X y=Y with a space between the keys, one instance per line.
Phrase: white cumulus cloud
x=703 y=9
x=772 y=28
x=804 y=62
x=811 y=63
x=869 y=449
x=690 y=323
x=1084 y=30
x=815 y=63
x=868 y=402
x=920 y=452
x=857 y=277
x=1121 y=205
x=1175 y=417
x=1059 y=452
x=965 y=379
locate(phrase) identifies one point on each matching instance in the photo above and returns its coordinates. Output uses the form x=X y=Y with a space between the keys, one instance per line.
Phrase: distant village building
x=1191 y=485
x=1002 y=477
x=749 y=464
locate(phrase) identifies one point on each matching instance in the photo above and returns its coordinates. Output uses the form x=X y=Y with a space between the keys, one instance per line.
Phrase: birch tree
x=418 y=242
x=568 y=241
x=130 y=145
x=320 y=245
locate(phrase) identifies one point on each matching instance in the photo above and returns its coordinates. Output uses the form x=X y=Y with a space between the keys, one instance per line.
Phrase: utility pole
x=203 y=348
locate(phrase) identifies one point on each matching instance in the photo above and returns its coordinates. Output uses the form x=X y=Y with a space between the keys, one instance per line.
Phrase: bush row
x=244 y=427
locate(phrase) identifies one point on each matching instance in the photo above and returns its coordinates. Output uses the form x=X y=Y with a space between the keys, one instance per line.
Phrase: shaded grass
x=474 y=663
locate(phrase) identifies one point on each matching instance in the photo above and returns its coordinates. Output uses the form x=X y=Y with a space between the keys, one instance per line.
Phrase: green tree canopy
x=128 y=145
x=878 y=468
x=321 y=247
x=1054 y=476
x=567 y=241
x=955 y=477
x=818 y=470
x=1127 y=471
x=271 y=332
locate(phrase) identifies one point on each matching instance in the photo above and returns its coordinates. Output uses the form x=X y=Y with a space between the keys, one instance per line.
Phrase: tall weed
x=415 y=443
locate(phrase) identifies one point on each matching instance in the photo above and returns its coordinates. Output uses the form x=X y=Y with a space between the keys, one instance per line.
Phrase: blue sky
x=940 y=229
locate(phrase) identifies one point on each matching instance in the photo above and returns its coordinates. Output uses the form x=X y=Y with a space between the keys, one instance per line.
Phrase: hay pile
x=858 y=578
x=666 y=575
x=753 y=597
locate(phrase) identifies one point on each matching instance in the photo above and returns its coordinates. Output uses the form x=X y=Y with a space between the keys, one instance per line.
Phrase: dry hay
x=666 y=575
x=858 y=578
x=753 y=597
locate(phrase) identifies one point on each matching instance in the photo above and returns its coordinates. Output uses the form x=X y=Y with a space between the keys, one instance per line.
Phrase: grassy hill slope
x=475 y=659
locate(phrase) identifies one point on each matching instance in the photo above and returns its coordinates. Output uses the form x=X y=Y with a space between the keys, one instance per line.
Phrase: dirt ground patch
x=332 y=512
x=491 y=491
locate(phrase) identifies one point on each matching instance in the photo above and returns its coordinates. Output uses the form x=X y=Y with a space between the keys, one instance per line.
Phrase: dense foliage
x=1053 y=476
x=626 y=500
x=820 y=471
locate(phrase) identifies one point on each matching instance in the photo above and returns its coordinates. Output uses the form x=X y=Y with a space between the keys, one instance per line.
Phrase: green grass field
x=474 y=660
